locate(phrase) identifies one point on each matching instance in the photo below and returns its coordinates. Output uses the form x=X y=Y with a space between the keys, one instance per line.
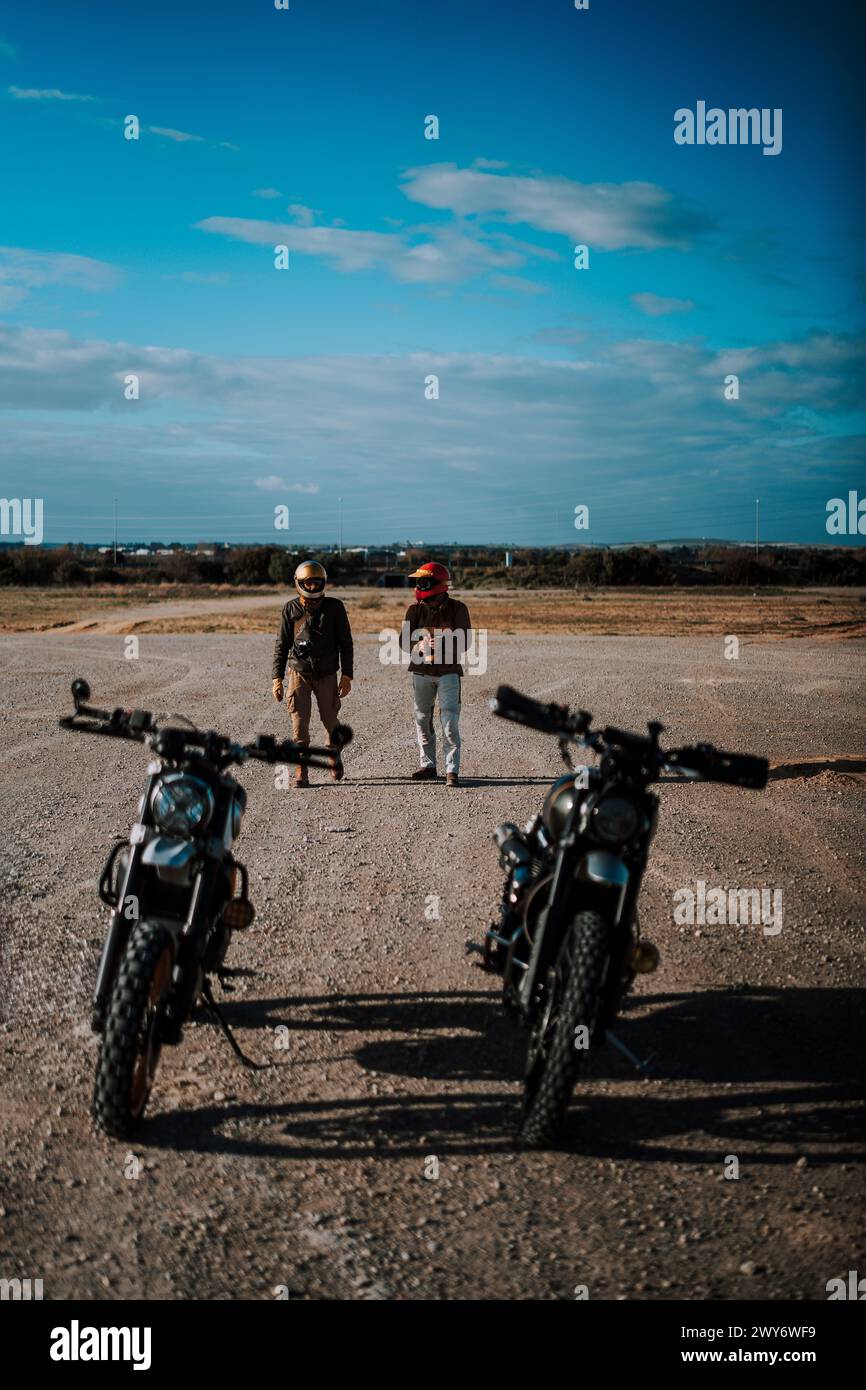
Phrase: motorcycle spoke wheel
x=147 y=1057
x=554 y=1061
x=131 y=1043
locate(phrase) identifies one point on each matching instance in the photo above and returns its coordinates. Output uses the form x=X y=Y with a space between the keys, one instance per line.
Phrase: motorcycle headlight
x=181 y=804
x=615 y=819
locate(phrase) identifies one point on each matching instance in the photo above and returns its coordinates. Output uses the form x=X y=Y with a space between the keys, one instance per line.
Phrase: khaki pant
x=299 y=703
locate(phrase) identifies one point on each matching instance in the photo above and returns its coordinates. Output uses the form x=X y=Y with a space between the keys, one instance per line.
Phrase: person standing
x=315 y=639
x=443 y=626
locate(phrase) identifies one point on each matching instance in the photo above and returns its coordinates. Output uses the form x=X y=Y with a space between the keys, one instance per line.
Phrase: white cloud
x=45 y=94
x=266 y=193
x=181 y=137
x=273 y=483
x=656 y=305
x=303 y=215
x=606 y=215
x=642 y=422
x=518 y=283
x=424 y=255
x=25 y=270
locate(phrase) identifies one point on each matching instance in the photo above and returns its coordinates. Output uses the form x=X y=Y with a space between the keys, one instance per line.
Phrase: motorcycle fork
x=117 y=936
x=187 y=972
x=546 y=940
x=619 y=976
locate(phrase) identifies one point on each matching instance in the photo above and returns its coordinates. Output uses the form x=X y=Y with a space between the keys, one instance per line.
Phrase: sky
x=412 y=258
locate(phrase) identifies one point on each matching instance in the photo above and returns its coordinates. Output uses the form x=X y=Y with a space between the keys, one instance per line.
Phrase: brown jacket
x=443 y=619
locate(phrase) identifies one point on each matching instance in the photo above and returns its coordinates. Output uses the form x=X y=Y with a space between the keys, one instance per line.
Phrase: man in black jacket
x=316 y=640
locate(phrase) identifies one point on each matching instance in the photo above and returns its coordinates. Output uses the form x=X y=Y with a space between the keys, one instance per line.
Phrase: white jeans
x=424 y=690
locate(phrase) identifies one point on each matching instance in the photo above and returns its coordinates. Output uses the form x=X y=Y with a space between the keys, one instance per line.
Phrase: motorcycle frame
x=203 y=905
x=612 y=892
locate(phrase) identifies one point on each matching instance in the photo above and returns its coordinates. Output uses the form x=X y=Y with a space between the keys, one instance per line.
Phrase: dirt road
x=312 y=1176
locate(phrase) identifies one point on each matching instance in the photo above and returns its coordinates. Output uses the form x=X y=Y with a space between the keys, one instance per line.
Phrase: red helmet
x=432 y=579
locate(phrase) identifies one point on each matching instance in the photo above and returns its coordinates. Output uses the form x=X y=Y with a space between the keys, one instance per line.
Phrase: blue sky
x=412 y=257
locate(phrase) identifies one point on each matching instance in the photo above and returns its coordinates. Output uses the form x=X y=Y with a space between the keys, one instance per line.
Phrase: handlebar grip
x=743 y=770
x=508 y=703
x=734 y=769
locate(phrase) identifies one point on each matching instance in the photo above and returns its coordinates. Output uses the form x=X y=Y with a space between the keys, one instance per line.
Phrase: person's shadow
x=777 y=1070
x=464 y=781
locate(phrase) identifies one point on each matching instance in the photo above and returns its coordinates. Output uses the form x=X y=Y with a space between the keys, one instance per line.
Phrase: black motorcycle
x=568 y=940
x=177 y=894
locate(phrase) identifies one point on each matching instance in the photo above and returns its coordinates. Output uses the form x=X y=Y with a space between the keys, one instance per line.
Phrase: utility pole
x=341 y=527
x=115 y=530
x=757 y=516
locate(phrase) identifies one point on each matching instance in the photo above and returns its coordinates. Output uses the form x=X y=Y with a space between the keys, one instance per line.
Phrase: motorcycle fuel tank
x=558 y=805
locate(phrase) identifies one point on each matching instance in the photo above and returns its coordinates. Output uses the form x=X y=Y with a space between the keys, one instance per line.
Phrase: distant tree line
x=471 y=567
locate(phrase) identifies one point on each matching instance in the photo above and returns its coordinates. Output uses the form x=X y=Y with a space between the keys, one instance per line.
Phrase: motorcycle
x=177 y=894
x=567 y=942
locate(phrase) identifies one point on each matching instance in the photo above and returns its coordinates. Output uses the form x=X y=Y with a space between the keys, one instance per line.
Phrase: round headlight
x=615 y=819
x=181 y=804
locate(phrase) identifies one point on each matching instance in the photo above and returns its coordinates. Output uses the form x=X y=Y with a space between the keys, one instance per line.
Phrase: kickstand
x=627 y=1052
x=217 y=1013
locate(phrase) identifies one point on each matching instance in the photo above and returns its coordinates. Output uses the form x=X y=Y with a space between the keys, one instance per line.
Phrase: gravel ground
x=313 y=1176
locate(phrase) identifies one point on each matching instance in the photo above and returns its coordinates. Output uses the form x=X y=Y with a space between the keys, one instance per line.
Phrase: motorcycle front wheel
x=557 y=1050
x=131 y=1042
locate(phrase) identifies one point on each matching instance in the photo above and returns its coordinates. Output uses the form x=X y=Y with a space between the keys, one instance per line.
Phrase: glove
x=344 y=687
x=278 y=690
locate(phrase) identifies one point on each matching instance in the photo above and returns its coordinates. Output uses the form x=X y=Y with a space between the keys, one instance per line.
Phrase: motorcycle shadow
x=456 y=1037
x=763 y=1073
x=777 y=1072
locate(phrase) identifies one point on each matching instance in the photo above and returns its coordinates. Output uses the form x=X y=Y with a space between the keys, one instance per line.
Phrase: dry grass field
x=824 y=613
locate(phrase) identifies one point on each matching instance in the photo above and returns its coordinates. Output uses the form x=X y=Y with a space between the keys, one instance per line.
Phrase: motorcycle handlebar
x=704 y=761
x=266 y=749
x=712 y=765
x=508 y=703
x=139 y=725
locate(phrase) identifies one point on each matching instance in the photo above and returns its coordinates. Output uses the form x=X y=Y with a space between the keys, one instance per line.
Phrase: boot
x=424 y=774
x=302 y=777
x=338 y=772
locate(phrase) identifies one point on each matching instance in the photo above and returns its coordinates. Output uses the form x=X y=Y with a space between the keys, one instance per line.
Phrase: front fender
x=606 y=871
x=173 y=859
x=600 y=866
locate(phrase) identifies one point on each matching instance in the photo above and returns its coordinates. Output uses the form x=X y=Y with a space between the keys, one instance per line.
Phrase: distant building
x=393 y=579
